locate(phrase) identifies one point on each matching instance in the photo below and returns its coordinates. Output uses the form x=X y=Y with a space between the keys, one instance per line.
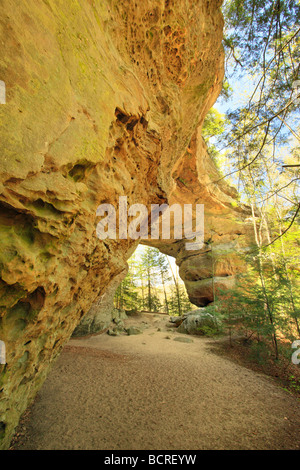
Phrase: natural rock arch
x=227 y=234
x=102 y=99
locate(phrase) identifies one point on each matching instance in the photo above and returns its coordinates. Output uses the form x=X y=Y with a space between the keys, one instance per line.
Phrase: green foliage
x=259 y=352
x=214 y=123
x=253 y=25
x=213 y=126
x=262 y=46
x=127 y=296
x=209 y=331
x=227 y=89
x=150 y=284
x=180 y=295
x=294 y=383
x=260 y=304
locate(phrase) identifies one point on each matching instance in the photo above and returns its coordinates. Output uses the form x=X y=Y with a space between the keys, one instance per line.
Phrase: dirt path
x=150 y=392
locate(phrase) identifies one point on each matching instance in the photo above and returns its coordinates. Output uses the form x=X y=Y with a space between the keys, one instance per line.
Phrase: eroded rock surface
x=227 y=226
x=102 y=312
x=104 y=98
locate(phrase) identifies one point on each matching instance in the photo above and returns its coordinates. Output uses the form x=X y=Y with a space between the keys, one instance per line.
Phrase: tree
x=213 y=126
x=163 y=267
x=127 y=295
x=262 y=40
x=177 y=288
x=152 y=284
x=149 y=262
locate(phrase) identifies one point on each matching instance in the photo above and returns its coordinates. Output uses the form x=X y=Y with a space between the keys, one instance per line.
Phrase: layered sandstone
x=104 y=98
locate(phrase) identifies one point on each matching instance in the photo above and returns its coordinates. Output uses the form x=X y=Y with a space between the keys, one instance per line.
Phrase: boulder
x=196 y=321
x=177 y=320
x=118 y=315
x=113 y=332
x=133 y=330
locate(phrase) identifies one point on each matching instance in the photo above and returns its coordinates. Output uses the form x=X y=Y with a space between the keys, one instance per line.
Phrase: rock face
x=103 y=98
x=102 y=311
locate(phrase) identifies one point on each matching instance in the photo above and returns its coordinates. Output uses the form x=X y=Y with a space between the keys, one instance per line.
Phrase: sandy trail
x=150 y=392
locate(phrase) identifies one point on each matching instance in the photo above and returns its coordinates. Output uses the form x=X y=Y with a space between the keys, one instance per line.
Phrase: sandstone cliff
x=104 y=98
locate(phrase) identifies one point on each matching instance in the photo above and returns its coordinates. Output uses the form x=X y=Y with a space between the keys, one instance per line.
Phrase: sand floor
x=151 y=392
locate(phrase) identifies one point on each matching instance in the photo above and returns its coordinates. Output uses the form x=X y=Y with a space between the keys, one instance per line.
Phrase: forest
x=152 y=284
